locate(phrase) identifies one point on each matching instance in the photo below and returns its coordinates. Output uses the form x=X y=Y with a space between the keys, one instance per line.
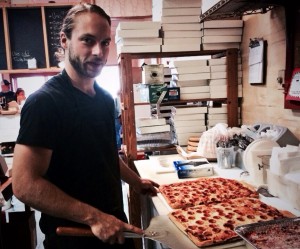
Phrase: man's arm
x=30 y=164
x=143 y=186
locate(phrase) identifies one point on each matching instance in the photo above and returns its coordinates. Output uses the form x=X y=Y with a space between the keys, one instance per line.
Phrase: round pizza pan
x=262 y=144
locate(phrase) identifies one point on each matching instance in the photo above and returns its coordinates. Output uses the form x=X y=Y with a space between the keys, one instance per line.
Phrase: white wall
x=265 y=103
x=9 y=127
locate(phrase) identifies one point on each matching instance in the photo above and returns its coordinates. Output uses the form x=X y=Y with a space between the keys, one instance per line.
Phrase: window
x=31 y=84
x=109 y=80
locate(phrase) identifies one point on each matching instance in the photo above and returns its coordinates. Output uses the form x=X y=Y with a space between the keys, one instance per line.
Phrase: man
x=6 y=92
x=65 y=161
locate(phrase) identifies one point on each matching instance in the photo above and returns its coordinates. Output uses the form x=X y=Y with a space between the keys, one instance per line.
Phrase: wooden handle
x=74 y=231
x=86 y=232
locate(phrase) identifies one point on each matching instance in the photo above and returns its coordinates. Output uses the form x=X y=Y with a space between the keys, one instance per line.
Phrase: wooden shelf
x=171 y=54
x=32 y=71
x=174 y=102
x=126 y=75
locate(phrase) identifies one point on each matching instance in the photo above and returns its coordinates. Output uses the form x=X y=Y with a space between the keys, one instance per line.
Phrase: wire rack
x=225 y=9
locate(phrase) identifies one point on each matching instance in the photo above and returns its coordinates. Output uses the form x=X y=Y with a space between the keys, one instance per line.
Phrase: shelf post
x=232 y=87
x=129 y=137
x=128 y=115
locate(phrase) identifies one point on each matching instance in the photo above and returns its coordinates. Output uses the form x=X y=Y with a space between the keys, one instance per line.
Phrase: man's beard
x=79 y=67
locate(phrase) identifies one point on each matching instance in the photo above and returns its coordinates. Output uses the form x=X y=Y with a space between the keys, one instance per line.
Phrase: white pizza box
x=142 y=122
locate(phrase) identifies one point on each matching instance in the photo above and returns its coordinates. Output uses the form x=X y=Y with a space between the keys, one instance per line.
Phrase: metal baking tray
x=267 y=227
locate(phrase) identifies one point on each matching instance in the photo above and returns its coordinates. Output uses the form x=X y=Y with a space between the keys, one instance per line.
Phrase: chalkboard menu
x=3 y=64
x=26 y=37
x=54 y=19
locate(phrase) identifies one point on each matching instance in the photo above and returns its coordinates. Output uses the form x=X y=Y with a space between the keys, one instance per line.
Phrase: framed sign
x=294 y=89
x=26 y=37
x=256 y=61
x=3 y=63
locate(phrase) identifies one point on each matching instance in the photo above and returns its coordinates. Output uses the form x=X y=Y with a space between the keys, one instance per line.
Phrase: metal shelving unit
x=226 y=9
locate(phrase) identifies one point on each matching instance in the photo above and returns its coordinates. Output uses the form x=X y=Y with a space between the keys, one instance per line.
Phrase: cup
x=226 y=157
x=164 y=162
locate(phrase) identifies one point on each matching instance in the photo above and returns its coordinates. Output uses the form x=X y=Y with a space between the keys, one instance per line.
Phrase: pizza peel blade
x=163 y=230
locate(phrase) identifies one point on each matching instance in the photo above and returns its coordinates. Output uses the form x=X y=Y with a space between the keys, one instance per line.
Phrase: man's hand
x=109 y=229
x=146 y=187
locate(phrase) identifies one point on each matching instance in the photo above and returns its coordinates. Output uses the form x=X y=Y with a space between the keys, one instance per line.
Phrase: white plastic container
x=285 y=187
x=277 y=185
x=285 y=160
x=256 y=159
x=293 y=188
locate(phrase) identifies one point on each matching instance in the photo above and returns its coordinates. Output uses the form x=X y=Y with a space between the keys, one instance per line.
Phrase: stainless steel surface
x=264 y=227
x=148 y=234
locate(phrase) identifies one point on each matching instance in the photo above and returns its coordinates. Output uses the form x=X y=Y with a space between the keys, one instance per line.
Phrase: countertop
x=149 y=169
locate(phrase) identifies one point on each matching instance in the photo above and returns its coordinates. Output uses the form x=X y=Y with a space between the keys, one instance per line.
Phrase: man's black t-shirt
x=9 y=96
x=80 y=131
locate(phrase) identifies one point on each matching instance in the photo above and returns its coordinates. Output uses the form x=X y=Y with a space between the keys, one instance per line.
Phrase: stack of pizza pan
x=209 y=209
x=192 y=144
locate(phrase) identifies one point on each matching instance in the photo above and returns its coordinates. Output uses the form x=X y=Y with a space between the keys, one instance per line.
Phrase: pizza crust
x=287 y=214
x=249 y=186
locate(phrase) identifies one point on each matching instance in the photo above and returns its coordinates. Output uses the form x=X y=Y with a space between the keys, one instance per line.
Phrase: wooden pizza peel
x=161 y=229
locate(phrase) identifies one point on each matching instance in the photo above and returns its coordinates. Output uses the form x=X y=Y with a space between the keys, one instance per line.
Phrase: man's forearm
x=127 y=174
x=57 y=203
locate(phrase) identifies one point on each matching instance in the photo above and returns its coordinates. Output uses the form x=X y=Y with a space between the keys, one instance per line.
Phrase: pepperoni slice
x=264 y=217
x=191 y=217
x=216 y=230
x=240 y=218
x=228 y=225
x=212 y=221
x=199 y=222
x=250 y=216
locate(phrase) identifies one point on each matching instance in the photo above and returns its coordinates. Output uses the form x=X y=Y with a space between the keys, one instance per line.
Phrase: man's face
x=88 y=49
x=4 y=88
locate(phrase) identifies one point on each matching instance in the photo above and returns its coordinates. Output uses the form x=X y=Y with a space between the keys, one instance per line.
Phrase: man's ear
x=63 y=40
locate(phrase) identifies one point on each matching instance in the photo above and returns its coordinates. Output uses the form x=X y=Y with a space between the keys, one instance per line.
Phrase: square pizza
x=214 y=223
x=205 y=191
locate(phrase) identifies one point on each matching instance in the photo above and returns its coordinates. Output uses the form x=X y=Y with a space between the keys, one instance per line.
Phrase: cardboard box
x=153 y=74
x=191 y=171
x=173 y=93
x=155 y=91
